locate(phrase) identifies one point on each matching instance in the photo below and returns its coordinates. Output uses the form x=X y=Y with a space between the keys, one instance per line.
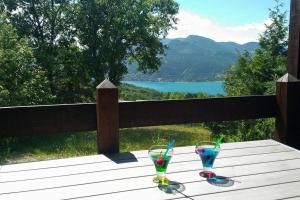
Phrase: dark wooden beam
x=294 y=40
x=55 y=119
x=288 y=118
x=107 y=117
x=27 y=120
x=288 y=87
x=149 y=113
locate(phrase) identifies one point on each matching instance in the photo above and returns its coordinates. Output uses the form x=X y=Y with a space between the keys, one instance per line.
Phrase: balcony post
x=294 y=40
x=288 y=116
x=107 y=118
x=288 y=87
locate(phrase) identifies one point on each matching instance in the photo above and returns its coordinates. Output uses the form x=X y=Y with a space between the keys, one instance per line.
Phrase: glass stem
x=161 y=174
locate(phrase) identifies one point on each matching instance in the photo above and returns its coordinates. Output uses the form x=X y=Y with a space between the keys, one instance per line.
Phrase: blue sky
x=231 y=12
x=240 y=21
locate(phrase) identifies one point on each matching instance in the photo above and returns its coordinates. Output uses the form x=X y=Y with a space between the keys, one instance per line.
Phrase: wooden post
x=294 y=40
x=288 y=87
x=288 y=116
x=107 y=117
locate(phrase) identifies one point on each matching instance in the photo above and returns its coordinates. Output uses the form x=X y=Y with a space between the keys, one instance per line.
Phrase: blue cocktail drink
x=208 y=153
x=208 y=157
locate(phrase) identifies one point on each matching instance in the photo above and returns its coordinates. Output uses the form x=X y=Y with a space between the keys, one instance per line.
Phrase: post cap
x=288 y=78
x=106 y=84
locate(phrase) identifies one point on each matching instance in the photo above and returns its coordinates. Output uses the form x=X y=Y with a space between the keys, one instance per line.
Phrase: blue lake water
x=209 y=87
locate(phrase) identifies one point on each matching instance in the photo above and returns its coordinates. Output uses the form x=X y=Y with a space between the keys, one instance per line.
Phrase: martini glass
x=208 y=152
x=161 y=160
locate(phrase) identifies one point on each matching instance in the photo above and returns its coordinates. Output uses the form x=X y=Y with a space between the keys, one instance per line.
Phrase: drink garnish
x=200 y=149
x=160 y=159
x=219 y=140
x=170 y=145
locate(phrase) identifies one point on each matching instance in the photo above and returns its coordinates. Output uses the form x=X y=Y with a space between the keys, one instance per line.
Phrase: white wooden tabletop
x=254 y=170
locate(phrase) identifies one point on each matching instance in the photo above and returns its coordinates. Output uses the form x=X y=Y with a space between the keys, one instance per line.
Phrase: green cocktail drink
x=161 y=160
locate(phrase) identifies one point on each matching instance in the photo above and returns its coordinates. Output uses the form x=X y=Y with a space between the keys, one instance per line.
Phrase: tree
x=113 y=33
x=42 y=22
x=48 y=26
x=22 y=82
x=256 y=75
x=79 y=43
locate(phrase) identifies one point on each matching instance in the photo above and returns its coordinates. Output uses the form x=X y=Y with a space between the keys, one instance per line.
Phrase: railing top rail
x=26 y=120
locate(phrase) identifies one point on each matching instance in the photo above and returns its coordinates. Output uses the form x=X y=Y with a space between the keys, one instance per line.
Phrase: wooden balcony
x=260 y=170
x=107 y=115
x=263 y=170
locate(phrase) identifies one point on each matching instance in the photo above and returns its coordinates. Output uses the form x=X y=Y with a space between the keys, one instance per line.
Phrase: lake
x=208 y=87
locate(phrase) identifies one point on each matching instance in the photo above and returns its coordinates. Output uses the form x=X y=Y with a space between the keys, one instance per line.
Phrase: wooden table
x=258 y=170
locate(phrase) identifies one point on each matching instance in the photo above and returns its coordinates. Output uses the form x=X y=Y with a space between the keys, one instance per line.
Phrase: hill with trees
x=194 y=58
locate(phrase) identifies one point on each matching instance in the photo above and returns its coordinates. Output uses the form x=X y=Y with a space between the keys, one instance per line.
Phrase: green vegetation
x=131 y=93
x=45 y=147
x=21 y=80
x=256 y=75
x=74 y=45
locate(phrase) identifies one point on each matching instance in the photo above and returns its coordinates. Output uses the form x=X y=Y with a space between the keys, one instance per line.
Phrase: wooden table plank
x=192 y=158
x=195 y=189
x=253 y=164
x=70 y=181
x=103 y=158
x=273 y=192
x=244 y=182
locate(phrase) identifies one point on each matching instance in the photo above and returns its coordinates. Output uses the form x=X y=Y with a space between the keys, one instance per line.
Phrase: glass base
x=207 y=174
x=161 y=180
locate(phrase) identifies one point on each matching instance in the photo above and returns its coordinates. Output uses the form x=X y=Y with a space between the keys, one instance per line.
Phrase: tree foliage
x=22 y=81
x=79 y=43
x=253 y=75
x=256 y=75
x=114 y=33
x=48 y=26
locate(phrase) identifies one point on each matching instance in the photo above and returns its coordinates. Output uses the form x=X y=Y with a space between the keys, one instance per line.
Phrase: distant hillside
x=129 y=92
x=194 y=58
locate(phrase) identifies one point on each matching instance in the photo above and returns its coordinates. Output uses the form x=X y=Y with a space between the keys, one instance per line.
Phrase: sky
x=238 y=21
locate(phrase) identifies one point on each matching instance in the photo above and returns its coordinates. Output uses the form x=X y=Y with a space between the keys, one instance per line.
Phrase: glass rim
x=159 y=145
x=207 y=143
x=154 y=147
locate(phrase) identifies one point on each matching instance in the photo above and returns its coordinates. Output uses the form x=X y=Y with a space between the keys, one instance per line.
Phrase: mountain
x=194 y=58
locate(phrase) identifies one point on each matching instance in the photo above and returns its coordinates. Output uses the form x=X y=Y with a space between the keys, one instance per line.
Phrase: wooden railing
x=108 y=115
x=53 y=119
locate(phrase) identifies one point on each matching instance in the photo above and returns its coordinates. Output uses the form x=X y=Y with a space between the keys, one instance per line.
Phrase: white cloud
x=192 y=24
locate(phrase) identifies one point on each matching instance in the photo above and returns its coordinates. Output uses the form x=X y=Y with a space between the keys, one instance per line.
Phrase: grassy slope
x=43 y=147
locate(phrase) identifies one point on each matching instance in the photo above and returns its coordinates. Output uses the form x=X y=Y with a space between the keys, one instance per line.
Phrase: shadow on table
x=221 y=181
x=120 y=158
x=173 y=187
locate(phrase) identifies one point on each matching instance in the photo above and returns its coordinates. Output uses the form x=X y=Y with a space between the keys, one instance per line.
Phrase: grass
x=45 y=147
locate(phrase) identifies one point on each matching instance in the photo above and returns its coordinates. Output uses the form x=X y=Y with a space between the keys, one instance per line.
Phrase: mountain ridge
x=194 y=58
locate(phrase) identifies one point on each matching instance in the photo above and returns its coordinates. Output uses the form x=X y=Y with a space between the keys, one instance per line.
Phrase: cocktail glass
x=208 y=152
x=161 y=161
